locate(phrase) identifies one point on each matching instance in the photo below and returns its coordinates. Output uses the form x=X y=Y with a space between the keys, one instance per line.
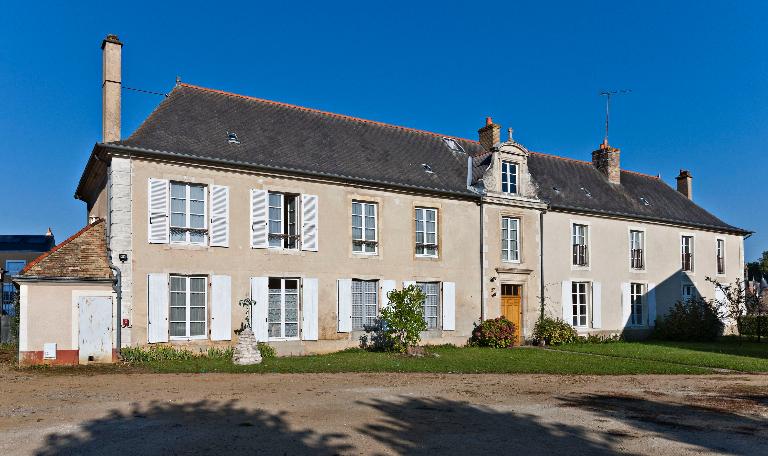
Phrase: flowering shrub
x=495 y=333
x=554 y=331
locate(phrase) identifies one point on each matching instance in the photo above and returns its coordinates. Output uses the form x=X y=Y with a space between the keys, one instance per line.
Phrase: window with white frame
x=188 y=307
x=510 y=239
x=686 y=253
x=365 y=303
x=188 y=213
x=580 y=302
x=426 y=231
x=637 y=249
x=636 y=296
x=509 y=177
x=721 y=256
x=282 y=221
x=431 y=305
x=688 y=292
x=364 y=227
x=580 y=238
x=283 y=308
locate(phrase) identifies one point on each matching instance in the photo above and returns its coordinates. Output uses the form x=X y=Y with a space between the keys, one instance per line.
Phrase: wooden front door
x=511 y=302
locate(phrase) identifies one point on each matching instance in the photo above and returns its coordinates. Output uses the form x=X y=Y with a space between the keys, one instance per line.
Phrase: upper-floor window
x=431 y=304
x=636 y=294
x=637 y=249
x=686 y=253
x=364 y=227
x=12 y=268
x=188 y=307
x=580 y=238
x=721 y=256
x=188 y=213
x=508 y=177
x=580 y=302
x=426 y=231
x=365 y=303
x=282 y=221
x=283 y=308
x=510 y=239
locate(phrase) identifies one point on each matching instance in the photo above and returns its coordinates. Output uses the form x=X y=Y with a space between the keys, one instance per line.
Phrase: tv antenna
x=608 y=94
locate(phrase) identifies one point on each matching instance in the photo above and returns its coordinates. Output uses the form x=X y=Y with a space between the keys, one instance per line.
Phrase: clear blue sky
x=698 y=71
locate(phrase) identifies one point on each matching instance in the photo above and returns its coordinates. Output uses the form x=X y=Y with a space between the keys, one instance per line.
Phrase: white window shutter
x=309 y=309
x=344 y=287
x=309 y=220
x=386 y=287
x=626 y=304
x=567 y=302
x=449 y=306
x=219 y=216
x=651 y=300
x=259 y=220
x=408 y=283
x=221 y=307
x=597 y=305
x=157 y=312
x=158 y=221
x=260 y=296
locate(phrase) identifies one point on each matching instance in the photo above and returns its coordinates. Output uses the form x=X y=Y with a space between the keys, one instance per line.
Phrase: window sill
x=187 y=246
x=511 y=261
x=365 y=255
x=282 y=251
x=638 y=271
x=283 y=339
x=186 y=339
x=426 y=257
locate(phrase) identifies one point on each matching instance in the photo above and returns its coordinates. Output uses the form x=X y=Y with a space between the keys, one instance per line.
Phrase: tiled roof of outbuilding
x=83 y=256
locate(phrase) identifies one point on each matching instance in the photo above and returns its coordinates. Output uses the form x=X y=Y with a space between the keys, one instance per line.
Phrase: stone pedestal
x=247 y=350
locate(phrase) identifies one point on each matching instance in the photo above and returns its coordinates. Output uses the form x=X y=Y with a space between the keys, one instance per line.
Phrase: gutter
x=541 y=262
x=482 y=265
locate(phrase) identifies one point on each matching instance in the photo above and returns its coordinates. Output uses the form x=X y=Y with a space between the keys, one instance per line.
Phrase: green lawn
x=448 y=360
x=727 y=353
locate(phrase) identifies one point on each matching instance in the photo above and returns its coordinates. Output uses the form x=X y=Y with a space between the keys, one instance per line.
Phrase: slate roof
x=194 y=122
x=26 y=243
x=83 y=256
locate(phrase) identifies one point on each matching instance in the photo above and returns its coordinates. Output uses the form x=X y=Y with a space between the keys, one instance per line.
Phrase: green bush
x=554 y=331
x=693 y=320
x=402 y=321
x=748 y=325
x=495 y=333
x=267 y=351
x=164 y=353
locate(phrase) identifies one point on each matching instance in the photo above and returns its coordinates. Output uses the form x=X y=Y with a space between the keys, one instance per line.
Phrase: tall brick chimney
x=685 y=183
x=111 y=83
x=607 y=160
x=490 y=134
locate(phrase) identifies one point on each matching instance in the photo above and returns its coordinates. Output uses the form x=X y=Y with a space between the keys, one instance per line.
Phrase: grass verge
x=727 y=353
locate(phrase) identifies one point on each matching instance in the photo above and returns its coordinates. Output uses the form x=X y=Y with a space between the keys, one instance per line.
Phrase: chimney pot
x=490 y=134
x=685 y=183
x=607 y=160
x=111 y=84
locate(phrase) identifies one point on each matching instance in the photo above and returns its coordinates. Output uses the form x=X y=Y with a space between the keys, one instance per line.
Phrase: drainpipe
x=541 y=261
x=119 y=304
x=482 y=266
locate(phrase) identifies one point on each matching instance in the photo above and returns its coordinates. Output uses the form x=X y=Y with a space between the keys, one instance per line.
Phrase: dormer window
x=509 y=177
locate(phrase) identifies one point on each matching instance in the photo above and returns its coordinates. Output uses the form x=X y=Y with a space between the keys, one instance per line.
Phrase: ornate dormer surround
x=512 y=152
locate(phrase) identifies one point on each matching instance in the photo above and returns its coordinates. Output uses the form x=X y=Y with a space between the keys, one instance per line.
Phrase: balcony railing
x=636 y=259
x=687 y=262
x=580 y=255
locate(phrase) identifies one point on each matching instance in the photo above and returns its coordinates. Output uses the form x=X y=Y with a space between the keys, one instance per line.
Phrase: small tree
x=247 y=304
x=738 y=302
x=402 y=320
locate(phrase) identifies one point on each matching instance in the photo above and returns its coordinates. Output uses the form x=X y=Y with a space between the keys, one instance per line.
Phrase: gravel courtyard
x=291 y=414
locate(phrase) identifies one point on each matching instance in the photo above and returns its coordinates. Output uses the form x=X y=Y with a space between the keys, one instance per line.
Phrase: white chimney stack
x=111 y=84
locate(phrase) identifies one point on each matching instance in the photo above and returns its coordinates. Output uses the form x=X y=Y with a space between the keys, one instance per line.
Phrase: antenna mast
x=608 y=94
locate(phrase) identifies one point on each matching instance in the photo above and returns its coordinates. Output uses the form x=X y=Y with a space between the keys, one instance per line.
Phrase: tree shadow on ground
x=205 y=427
x=729 y=345
x=717 y=427
x=426 y=426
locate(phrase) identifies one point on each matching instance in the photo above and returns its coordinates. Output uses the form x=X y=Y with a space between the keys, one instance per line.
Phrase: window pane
x=178 y=235
x=197 y=284
x=178 y=190
x=178 y=220
x=178 y=283
x=196 y=329
x=197 y=238
x=291 y=329
x=178 y=314
x=370 y=210
x=197 y=314
x=196 y=192
x=178 y=329
x=197 y=221
x=178 y=205
x=356 y=209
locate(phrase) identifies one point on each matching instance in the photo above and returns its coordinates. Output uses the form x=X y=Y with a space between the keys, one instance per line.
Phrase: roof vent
x=232 y=138
x=427 y=168
x=556 y=189
x=645 y=201
x=586 y=192
x=453 y=145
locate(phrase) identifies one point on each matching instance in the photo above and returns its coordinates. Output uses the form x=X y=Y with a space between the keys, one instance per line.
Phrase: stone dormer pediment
x=507 y=176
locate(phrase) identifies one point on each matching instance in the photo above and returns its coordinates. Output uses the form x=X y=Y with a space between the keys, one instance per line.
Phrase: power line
x=144 y=91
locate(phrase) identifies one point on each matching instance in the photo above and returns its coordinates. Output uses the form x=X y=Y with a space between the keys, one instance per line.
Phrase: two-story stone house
x=316 y=216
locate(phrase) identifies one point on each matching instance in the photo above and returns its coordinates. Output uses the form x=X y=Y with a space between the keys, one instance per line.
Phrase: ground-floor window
x=431 y=305
x=365 y=303
x=579 y=300
x=636 y=293
x=689 y=292
x=188 y=307
x=283 y=310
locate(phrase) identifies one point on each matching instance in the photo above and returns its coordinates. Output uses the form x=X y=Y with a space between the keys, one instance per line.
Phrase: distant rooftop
x=26 y=242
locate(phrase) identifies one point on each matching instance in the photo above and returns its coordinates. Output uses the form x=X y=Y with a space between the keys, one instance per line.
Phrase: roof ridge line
x=45 y=255
x=559 y=157
x=326 y=113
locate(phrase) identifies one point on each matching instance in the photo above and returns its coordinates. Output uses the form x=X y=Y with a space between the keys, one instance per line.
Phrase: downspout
x=541 y=261
x=119 y=304
x=482 y=266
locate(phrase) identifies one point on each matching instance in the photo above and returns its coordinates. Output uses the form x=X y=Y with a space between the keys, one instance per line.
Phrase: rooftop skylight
x=232 y=138
x=427 y=168
x=453 y=145
x=586 y=192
